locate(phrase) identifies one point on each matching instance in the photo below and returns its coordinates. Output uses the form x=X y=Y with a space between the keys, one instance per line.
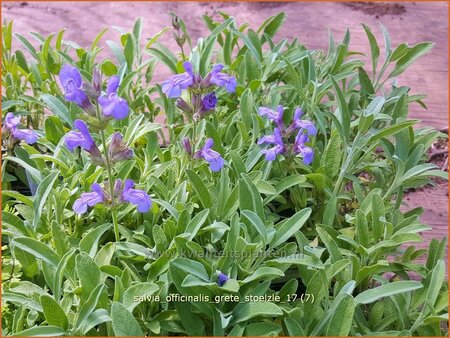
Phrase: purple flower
x=89 y=199
x=308 y=154
x=11 y=121
x=308 y=126
x=119 y=150
x=276 y=116
x=70 y=79
x=81 y=138
x=137 y=197
x=186 y=143
x=274 y=139
x=220 y=79
x=209 y=102
x=25 y=134
x=302 y=124
x=305 y=151
x=174 y=85
x=298 y=113
x=216 y=161
x=113 y=105
x=11 y=125
x=222 y=278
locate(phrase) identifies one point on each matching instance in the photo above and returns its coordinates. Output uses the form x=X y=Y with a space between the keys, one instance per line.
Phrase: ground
x=410 y=22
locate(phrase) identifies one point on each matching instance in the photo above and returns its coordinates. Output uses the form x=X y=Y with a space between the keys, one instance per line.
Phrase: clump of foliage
x=270 y=197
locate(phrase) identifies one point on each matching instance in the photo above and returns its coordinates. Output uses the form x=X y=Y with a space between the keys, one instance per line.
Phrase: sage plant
x=103 y=107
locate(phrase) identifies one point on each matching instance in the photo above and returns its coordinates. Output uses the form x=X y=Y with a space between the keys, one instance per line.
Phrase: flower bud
x=180 y=39
x=97 y=81
x=119 y=150
x=175 y=21
x=184 y=106
x=186 y=143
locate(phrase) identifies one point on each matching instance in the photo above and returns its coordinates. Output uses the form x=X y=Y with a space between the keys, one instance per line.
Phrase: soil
x=307 y=21
x=377 y=9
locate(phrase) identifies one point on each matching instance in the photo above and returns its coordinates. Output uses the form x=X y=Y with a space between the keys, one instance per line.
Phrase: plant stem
x=194 y=134
x=111 y=186
x=182 y=53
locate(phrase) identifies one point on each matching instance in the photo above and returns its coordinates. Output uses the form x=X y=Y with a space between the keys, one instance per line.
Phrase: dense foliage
x=270 y=197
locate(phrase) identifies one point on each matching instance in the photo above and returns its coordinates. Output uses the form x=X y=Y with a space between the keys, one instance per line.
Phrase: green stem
x=377 y=85
x=182 y=53
x=281 y=168
x=111 y=187
x=194 y=134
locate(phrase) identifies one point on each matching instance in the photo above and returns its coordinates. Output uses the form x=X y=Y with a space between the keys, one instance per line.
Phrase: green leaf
x=378 y=212
x=273 y=24
x=391 y=130
x=117 y=51
x=42 y=331
x=293 y=328
x=88 y=306
x=344 y=114
x=129 y=50
x=341 y=320
x=162 y=54
x=436 y=319
x=258 y=225
x=246 y=108
x=290 y=227
x=59 y=273
x=88 y=272
x=362 y=228
x=286 y=183
x=7 y=35
x=97 y=317
x=191 y=267
x=192 y=322
x=330 y=244
x=37 y=249
x=374 y=49
x=34 y=173
x=200 y=188
x=28 y=46
x=246 y=311
x=157 y=36
x=346 y=291
x=262 y=329
x=108 y=68
x=58 y=108
x=53 y=312
x=60 y=239
x=22 y=62
x=135 y=248
x=250 y=44
x=296 y=259
x=365 y=83
x=332 y=156
x=123 y=322
x=249 y=197
x=375 y=106
x=207 y=51
x=372 y=295
x=409 y=57
x=89 y=243
x=138 y=290
x=437 y=279
x=42 y=193
x=27 y=302
x=196 y=223
x=264 y=272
